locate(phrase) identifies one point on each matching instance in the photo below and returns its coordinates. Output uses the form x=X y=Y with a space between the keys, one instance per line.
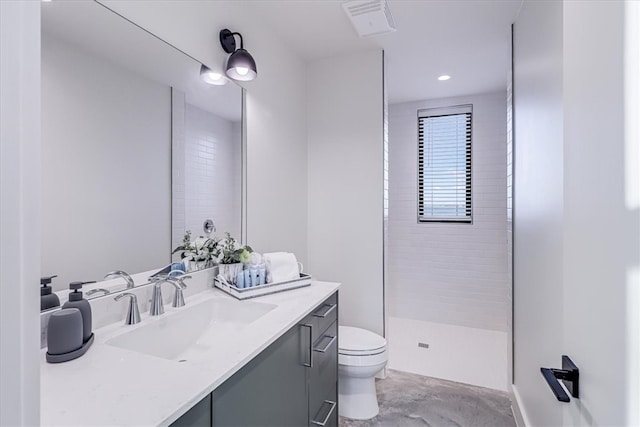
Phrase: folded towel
x=281 y=266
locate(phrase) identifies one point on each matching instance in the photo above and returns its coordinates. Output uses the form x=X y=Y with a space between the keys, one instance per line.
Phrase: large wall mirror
x=136 y=148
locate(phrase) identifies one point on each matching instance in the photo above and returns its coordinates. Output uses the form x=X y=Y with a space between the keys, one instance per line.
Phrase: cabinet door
x=270 y=390
x=198 y=416
x=323 y=379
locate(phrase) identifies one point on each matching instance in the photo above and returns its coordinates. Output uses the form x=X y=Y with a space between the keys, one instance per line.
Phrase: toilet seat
x=362 y=352
x=359 y=342
x=363 y=360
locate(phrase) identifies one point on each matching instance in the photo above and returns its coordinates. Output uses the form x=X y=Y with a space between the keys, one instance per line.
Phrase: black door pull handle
x=570 y=376
x=556 y=388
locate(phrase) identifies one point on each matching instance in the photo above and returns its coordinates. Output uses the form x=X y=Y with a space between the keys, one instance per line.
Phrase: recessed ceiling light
x=444 y=77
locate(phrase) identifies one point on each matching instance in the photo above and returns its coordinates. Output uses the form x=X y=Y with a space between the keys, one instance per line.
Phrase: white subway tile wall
x=450 y=273
x=212 y=173
x=206 y=183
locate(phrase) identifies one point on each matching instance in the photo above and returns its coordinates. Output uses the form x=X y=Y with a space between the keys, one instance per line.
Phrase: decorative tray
x=266 y=289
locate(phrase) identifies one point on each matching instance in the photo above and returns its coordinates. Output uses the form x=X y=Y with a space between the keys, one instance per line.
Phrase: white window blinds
x=444 y=164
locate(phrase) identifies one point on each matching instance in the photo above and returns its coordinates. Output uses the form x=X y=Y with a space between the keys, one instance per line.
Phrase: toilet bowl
x=361 y=355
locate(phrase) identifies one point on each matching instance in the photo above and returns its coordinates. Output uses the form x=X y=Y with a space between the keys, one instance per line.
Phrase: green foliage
x=202 y=249
x=231 y=253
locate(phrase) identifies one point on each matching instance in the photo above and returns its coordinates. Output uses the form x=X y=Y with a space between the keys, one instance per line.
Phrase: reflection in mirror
x=126 y=119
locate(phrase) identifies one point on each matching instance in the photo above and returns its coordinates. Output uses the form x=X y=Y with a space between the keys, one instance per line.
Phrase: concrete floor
x=413 y=400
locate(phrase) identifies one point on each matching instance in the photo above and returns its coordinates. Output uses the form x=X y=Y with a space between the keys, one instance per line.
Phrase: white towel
x=281 y=266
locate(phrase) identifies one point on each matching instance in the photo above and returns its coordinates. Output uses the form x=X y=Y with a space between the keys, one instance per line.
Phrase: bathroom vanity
x=217 y=361
x=270 y=360
x=293 y=382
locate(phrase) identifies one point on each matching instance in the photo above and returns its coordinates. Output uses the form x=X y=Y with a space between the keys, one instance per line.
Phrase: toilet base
x=358 y=399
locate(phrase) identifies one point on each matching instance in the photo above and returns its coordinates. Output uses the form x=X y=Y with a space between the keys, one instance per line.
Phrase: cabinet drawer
x=324 y=315
x=323 y=381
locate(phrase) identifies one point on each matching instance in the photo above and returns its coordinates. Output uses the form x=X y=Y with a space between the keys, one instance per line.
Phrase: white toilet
x=361 y=355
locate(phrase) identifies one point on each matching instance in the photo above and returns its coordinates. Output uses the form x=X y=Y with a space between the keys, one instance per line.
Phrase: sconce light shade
x=211 y=77
x=240 y=66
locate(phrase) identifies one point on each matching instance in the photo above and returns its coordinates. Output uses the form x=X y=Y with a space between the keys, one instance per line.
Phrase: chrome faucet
x=122 y=274
x=178 y=296
x=95 y=291
x=157 y=308
x=133 y=314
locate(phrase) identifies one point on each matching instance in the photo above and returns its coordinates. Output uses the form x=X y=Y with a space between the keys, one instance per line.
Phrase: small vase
x=230 y=272
x=199 y=265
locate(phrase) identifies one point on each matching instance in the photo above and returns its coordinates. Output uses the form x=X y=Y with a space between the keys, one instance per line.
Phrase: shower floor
x=413 y=400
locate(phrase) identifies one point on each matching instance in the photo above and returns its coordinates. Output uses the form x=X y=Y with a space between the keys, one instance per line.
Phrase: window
x=444 y=164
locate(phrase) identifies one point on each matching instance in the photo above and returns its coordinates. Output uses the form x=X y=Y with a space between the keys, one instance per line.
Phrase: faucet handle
x=133 y=314
x=180 y=280
x=159 y=278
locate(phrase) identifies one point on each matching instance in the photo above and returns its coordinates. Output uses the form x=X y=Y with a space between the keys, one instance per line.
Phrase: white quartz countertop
x=116 y=387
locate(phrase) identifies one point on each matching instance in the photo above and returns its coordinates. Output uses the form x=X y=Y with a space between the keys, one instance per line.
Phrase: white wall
x=449 y=277
x=538 y=206
x=601 y=213
x=450 y=273
x=106 y=150
x=19 y=216
x=277 y=157
x=345 y=127
x=577 y=221
x=275 y=107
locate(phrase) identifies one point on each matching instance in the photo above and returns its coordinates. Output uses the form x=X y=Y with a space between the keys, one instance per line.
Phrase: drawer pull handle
x=326 y=347
x=328 y=309
x=310 y=364
x=333 y=405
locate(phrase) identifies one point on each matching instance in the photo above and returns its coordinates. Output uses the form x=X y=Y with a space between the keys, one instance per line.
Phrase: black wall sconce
x=240 y=65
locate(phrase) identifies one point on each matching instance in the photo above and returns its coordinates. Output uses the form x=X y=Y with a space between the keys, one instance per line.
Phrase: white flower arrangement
x=202 y=249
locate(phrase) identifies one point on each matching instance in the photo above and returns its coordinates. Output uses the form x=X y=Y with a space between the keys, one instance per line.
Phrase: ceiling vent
x=369 y=17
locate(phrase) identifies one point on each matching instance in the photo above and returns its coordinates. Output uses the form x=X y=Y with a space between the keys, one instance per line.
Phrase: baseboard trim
x=382 y=374
x=519 y=414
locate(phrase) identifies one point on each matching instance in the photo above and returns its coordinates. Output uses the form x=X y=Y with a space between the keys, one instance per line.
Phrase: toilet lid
x=355 y=340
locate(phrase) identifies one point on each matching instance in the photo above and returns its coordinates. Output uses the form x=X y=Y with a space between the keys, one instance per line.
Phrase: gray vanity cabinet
x=269 y=391
x=323 y=372
x=293 y=382
x=199 y=415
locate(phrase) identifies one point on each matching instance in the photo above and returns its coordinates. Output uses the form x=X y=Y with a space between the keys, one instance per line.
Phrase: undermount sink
x=193 y=330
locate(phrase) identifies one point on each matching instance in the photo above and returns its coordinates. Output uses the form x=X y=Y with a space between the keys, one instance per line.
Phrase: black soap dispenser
x=47 y=298
x=76 y=301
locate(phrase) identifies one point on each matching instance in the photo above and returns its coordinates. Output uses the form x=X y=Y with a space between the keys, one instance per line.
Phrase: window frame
x=436 y=112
